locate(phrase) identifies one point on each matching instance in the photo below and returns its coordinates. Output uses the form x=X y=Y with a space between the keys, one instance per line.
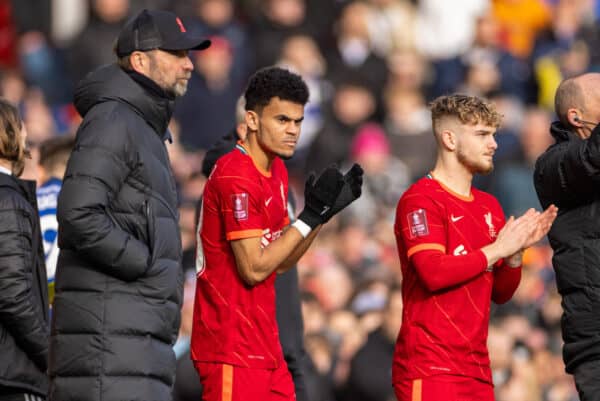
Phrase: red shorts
x=222 y=382
x=446 y=388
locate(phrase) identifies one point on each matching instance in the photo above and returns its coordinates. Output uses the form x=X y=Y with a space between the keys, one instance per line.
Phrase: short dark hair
x=55 y=150
x=271 y=82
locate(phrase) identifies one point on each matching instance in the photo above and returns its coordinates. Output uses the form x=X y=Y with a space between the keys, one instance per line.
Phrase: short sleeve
x=241 y=204
x=420 y=225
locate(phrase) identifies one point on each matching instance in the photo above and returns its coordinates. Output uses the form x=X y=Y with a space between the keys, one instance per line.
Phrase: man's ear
x=573 y=116
x=449 y=139
x=139 y=62
x=251 y=118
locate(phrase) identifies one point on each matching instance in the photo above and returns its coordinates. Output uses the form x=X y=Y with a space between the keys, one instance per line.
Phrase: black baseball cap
x=154 y=29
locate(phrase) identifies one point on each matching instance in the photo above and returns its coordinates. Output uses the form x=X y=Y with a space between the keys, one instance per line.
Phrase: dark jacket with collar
x=119 y=280
x=23 y=290
x=568 y=175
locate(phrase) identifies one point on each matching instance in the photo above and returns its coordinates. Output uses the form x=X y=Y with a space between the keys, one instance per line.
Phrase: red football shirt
x=235 y=323
x=447 y=288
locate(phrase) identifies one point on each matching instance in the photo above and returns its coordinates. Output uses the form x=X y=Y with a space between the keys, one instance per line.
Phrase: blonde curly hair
x=469 y=110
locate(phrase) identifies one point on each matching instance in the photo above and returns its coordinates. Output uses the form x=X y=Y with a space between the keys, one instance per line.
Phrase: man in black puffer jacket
x=568 y=175
x=119 y=277
x=23 y=287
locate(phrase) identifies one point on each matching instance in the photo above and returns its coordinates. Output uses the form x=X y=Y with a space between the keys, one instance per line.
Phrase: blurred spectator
x=511 y=182
x=319 y=367
x=520 y=21
x=558 y=53
x=445 y=29
x=370 y=377
x=348 y=337
x=187 y=387
x=385 y=176
x=332 y=285
x=38 y=117
x=43 y=68
x=408 y=70
x=218 y=18
x=354 y=53
x=485 y=67
x=278 y=19
x=31 y=15
x=561 y=32
x=301 y=54
x=93 y=47
x=353 y=104
x=69 y=18
x=392 y=26
x=54 y=154
x=12 y=86
x=8 y=35
x=551 y=69
x=206 y=111
x=408 y=126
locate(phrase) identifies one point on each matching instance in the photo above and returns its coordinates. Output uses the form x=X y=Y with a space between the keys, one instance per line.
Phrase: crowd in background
x=372 y=66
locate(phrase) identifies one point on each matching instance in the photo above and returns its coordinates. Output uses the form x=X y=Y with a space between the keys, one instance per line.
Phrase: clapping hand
x=351 y=191
x=320 y=195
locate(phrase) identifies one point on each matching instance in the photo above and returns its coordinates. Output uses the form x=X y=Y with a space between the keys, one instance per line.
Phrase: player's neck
x=262 y=160
x=6 y=164
x=456 y=178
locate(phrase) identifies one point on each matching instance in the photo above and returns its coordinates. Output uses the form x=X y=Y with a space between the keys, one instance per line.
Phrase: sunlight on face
x=171 y=70
x=476 y=145
x=279 y=127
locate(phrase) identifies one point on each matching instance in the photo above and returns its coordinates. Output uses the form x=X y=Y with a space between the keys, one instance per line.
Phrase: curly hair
x=470 y=110
x=11 y=147
x=271 y=82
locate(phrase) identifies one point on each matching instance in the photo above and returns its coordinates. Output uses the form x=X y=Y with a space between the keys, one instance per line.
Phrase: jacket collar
x=25 y=187
x=111 y=83
x=562 y=133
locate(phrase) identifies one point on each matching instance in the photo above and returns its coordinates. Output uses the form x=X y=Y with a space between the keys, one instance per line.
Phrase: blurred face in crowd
x=111 y=10
x=277 y=126
x=354 y=22
x=486 y=31
x=534 y=134
x=353 y=104
x=286 y=12
x=215 y=12
x=304 y=55
x=215 y=63
x=171 y=70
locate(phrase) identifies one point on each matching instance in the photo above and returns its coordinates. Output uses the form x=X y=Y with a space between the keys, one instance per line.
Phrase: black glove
x=320 y=195
x=350 y=192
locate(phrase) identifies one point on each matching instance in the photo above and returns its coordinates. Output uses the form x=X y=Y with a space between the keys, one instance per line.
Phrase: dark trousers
x=587 y=381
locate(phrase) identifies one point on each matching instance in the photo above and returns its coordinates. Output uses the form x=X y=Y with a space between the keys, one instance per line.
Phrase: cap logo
x=181 y=27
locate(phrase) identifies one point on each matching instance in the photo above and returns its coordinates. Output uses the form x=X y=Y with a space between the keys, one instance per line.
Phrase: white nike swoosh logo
x=455 y=219
x=268 y=201
x=325 y=209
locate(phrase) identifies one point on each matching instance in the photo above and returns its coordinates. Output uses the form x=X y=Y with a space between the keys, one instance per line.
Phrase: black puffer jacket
x=23 y=290
x=119 y=279
x=568 y=175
